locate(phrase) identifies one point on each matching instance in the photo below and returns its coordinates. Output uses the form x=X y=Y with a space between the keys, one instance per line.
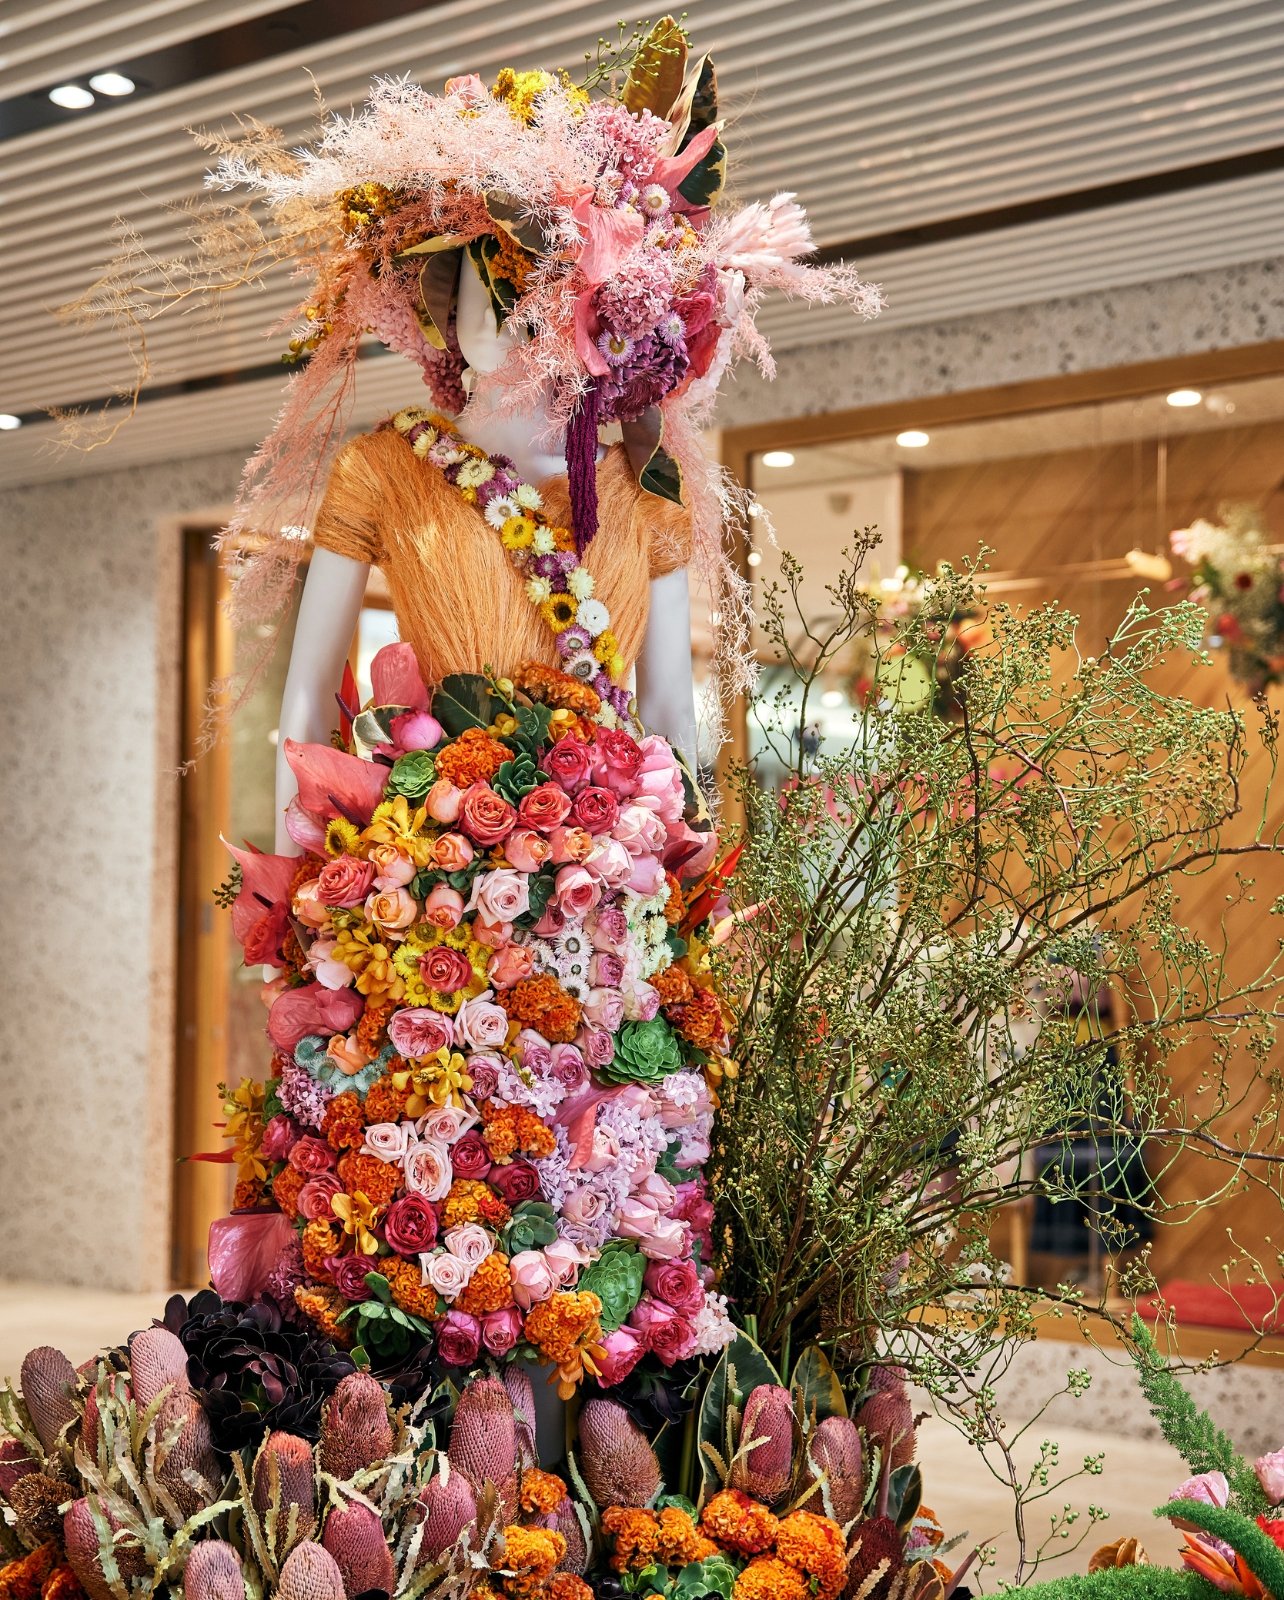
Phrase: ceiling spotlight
x=71 y=97
x=754 y=558
x=111 y=83
x=1184 y=397
x=832 y=698
x=912 y=439
x=778 y=458
x=8 y=422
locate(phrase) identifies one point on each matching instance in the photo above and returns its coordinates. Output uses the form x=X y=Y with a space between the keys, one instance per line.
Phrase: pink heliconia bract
x=766 y=1470
x=15 y=1463
x=84 y=1552
x=887 y=1415
x=355 y=1430
x=157 y=1361
x=449 y=1506
x=521 y=1392
x=285 y=1461
x=213 y=1572
x=568 y=1525
x=483 y=1436
x=191 y=1452
x=618 y=1463
x=354 y=1537
x=310 y=1573
x=48 y=1390
x=835 y=1454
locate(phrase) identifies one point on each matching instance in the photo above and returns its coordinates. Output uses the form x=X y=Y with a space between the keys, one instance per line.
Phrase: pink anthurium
x=396 y=679
x=312 y=1009
x=332 y=784
x=261 y=911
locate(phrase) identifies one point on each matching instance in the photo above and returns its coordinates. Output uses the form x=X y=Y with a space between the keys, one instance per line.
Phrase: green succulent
x=534 y=1224
x=413 y=775
x=645 y=1052
x=616 y=1279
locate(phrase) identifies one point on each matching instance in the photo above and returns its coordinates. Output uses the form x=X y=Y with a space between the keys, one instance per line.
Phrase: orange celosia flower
x=385 y=1102
x=541 y=1492
x=344 y=1123
x=24 y=1578
x=320 y=1239
x=557 y=689
x=474 y=757
x=531 y=1552
x=815 y=1545
x=409 y=1291
x=541 y=1003
x=285 y=1190
x=322 y=1307
x=636 y=1535
x=739 y=1523
x=463 y=1202
x=377 y=1180
x=673 y=986
x=700 y=1020
x=371 y=1027
x=62 y=1584
x=248 y=1193
x=675 y=907
x=564 y=1330
x=513 y=1130
x=680 y=1541
x=489 y=1289
x=766 y=1578
x=566 y=1586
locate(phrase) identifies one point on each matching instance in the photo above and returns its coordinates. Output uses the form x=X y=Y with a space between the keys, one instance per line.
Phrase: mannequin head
x=484 y=346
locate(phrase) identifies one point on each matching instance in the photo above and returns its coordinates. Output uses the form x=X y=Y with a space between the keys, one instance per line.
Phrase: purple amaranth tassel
x=581 y=468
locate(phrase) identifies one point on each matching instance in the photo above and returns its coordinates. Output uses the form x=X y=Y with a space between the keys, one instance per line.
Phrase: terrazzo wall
x=89 y=652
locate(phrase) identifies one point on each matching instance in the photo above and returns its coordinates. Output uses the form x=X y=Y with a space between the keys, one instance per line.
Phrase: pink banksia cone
x=213 y=1572
x=15 y=1463
x=354 y=1537
x=568 y=1525
x=618 y=1463
x=766 y=1470
x=36 y=1500
x=157 y=1361
x=49 y=1389
x=284 y=1464
x=355 y=1430
x=887 y=1415
x=84 y=1552
x=448 y=1507
x=310 y=1573
x=835 y=1454
x=517 y=1383
x=483 y=1436
x=191 y=1452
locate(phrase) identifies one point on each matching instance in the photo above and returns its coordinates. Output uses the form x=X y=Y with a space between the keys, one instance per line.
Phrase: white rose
x=428 y=1171
x=387 y=1141
x=445 y=1273
x=470 y=1243
x=445 y=1124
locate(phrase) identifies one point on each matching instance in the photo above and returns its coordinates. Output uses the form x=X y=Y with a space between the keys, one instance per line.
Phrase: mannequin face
x=483 y=344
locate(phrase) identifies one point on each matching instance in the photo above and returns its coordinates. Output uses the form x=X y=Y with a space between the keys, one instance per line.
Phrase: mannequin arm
x=328 y=613
x=666 y=685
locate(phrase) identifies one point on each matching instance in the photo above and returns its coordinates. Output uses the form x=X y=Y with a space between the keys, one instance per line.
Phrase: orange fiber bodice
x=457 y=596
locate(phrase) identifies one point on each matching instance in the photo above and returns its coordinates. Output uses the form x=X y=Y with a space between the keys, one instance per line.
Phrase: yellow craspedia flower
x=559 y=612
x=342 y=838
x=517 y=533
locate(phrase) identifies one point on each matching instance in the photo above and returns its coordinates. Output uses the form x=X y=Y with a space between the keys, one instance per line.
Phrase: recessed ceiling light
x=754 y=558
x=71 y=97
x=8 y=422
x=778 y=458
x=832 y=698
x=912 y=439
x=112 y=83
x=1185 y=397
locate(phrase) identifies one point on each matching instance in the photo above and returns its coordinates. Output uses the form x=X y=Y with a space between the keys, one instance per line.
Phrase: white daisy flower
x=500 y=509
x=538 y=590
x=424 y=443
x=594 y=616
x=527 y=497
x=543 y=543
x=580 y=583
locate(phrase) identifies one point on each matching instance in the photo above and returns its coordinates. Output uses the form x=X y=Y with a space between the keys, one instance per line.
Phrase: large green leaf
x=512 y=216
x=707 y=179
x=740 y=1369
x=438 y=285
x=654 y=467
x=904 y=1495
x=463 y=700
x=815 y=1387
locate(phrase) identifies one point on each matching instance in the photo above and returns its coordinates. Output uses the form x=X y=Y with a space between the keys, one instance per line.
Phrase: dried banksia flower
x=568 y=1525
x=1122 y=1553
x=157 y=1361
x=48 y=1388
x=84 y=1555
x=310 y=1573
x=355 y=1430
x=835 y=1454
x=517 y=1383
x=766 y=1470
x=618 y=1463
x=448 y=1507
x=192 y=1451
x=887 y=1415
x=15 y=1463
x=875 y=1555
x=284 y=1471
x=213 y=1572
x=483 y=1437
x=354 y=1537
x=35 y=1499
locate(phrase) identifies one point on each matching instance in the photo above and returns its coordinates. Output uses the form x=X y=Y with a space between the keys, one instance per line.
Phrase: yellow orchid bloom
x=396 y=824
x=358 y=1214
x=440 y=1079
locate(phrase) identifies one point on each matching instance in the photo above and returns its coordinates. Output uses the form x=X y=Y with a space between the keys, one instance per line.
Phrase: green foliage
x=815 y=1387
x=1191 y=1431
x=740 y=1368
x=380 y=1327
x=1262 y=1556
x=464 y=700
x=230 y=887
x=1124 y=1583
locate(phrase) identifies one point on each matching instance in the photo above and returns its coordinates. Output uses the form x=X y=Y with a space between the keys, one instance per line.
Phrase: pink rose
x=345 y=882
x=311 y=1009
x=568 y=1067
x=1210 y=1488
x=416 y=730
x=445 y=970
x=608 y=928
x=576 y=892
x=444 y=801
x=660 y=778
x=618 y=1354
x=279 y=1137
x=584 y=1207
x=451 y=852
x=445 y=1124
x=606 y=969
x=667 y=1240
x=469 y=1243
x=410 y=1227
x=536 y=1054
x=1270 y=1474
x=570 y=844
x=677 y=1283
x=527 y=850
x=565 y=1258
x=618 y=761
x=640 y=831
x=598 y=1047
x=501 y=1330
x=568 y=763
x=500 y=896
x=657 y=1192
x=309 y=1156
x=495 y=935
x=444 y=907
x=603 y=1150
x=349 y=1274
x=611 y=864
x=604 y=1008
x=470 y=1157
x=543 y=808
x=446 y=1273
x=647 y=876
x=516 y=1181
x=418 y=1031
x=481 y=1024
x=388 y=1141
x=533 y=1279
x=315 y=1197
x=665 y=1332
x=553 y=920
x=484 y=816
x=484 y=1071
x=641 y=1001
x=596 y=810
x=428 y=1171
x=392 y=910
x=509 y=965
x=458 y=1339
x=308 y=906
x=693 y=1206
x=392 y=868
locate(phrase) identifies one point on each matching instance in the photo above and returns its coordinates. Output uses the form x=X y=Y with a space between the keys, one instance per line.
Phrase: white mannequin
x=335 y=584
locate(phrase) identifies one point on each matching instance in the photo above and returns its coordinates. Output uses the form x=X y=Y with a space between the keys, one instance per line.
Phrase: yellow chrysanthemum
x=517 y=533
x=563 y=539
x=342 y=838
x=559 y=612
x=406 y=960
x=605 y=646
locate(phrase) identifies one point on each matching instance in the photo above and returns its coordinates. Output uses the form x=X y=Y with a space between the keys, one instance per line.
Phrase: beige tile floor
x=1137 y=1475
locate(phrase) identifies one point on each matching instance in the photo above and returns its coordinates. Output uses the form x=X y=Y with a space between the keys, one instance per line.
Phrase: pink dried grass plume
x=448 y=1507
x=192 y=1452
x=354 y=1537
x=213 y=1572
x=284 y=1470
x=763 y=1466
x=48 y=1388
x=157 y=1361
x=310 y=1573
x=616 y=1459
x=483 y=1436
x=355 y=1427
x=84 y=1553
x=888 y=1417
x=835 y=1455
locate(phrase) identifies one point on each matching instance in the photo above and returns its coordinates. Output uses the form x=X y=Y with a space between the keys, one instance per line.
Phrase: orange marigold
x=562 y=1326
x=680 y=1542
x=474 y=757
x=285 y=1190
x=320 y=1239
x=673 y=986
x=541 y=1003
x=367 y=1175
x=344 y=1123
x=409 y=1291
x=766 y=1578
x=23 y=1579
x=322 y=1307
x=566 y=1586
x=815 y=1545
x=384 y=1101
x=463 y=1202
x=739 y=1523
x=636 y=1535
x=558 y=689
x=541 y=1492
x=699 y=1020
x=489 y=1289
